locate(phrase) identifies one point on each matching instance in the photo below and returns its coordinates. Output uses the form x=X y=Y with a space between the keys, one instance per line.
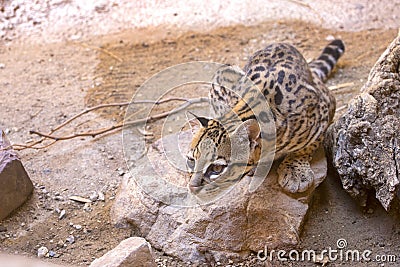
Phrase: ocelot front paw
x=295 y=175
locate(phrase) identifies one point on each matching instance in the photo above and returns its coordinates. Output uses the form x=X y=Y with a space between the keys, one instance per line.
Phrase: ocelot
x=301 y=105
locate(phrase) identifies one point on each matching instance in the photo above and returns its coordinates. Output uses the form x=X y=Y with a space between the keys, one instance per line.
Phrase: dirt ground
x=44 y=84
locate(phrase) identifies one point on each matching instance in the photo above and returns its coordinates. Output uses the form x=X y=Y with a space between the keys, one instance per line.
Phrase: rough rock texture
x=15 y=185
x=364 y=142
x=134 y=251
x=230 y=228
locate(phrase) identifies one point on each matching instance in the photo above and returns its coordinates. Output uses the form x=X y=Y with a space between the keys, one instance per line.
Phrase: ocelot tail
x=302 y=108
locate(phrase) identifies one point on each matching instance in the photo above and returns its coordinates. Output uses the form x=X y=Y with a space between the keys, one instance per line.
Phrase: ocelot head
x=221 y=155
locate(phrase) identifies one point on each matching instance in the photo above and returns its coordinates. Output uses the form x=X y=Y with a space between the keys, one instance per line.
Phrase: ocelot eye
x=214 y=170
x=190 y=162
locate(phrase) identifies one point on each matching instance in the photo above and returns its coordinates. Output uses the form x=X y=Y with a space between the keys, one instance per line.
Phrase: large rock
x=134 y=251
x=15 y=185
x=364 y=142
x=232 y=227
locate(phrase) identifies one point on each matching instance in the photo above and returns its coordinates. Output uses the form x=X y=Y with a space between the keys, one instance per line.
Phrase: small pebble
x=62 y=215
x=78 y=226
x=101 y=196
x=120 y=171
x=87 y=207
x=71 y=239
x=51 y=253
x=58 y=198
x=330 y=38
x=2 y=65
x=42 y=252
x=94 y=196
x=60 y=243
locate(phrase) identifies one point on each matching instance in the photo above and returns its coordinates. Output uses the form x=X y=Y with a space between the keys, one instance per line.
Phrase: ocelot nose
x=194 y=189
x=195 y=182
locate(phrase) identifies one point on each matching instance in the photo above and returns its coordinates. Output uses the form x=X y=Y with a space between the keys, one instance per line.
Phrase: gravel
x=42 y=252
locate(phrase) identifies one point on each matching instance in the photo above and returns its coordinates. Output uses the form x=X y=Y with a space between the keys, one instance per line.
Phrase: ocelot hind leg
x=294 y=172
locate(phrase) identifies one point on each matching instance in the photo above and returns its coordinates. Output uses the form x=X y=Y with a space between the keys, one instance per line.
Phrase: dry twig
x=339 y=87
x=150 y=119
x=54 y=138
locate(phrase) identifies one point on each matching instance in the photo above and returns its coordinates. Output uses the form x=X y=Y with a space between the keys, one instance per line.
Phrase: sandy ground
x=51 y=73
x=43 y=21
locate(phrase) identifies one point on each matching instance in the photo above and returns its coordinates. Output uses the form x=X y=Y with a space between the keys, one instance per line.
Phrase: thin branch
x=87 y=111
x=338 y=87
x=93 y=133
x=122 y=104
x=21 y=146
x=188 y=102
x=341 y=108
x=33 y=145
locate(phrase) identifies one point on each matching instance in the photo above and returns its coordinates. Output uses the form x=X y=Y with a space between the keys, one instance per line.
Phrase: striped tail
x=325 y=63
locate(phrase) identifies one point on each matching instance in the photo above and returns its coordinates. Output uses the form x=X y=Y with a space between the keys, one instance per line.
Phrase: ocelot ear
x=252 y=128
x=196 y=122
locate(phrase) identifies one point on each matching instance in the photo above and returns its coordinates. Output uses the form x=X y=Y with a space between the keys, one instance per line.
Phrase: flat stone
x=15 y=185
x=20 y=261
x=134 y=251
x=229 y=229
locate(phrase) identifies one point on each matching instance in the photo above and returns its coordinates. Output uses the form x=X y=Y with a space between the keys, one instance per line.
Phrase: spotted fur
x=301 y=105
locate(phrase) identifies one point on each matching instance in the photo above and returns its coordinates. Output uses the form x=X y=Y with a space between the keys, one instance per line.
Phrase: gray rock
x=15 y=185
x=101 y=196
x=94 y=196
x=42 y=252
x=134 y=251
x=62 y=214
x=70 y=239
x=232 y=227
x=364 y=143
